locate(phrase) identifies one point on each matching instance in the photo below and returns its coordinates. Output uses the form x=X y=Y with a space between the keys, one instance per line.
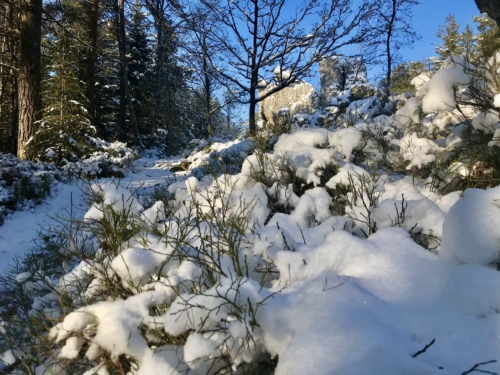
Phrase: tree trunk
x=255 y=72
x=251 y=115
x=91 y=67
x=491 y=7
x=133 y=119
x=158 y=75
x=125 y=97
x=390 y=29
x=29 y=83
x=208 y=95
x=123 y=72
x=159 y=62
x=13 y=131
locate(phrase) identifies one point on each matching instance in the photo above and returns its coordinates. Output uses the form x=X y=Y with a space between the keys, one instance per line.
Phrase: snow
x=496 y=101
x=367 y=306
x=245 y=266
x=376 y=301
x=439 y=90
x=20 y=230
x=418 y=151
x=470 y=231
x=422 y=214
x=409 y=113
x=486 y=121
x=338 y=303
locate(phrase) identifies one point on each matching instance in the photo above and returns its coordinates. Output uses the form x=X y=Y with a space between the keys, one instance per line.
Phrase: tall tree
x=92 y=56
x=392 y=31
x=125 y=97
x=9 y=46
x=490 y=7
x=171 y=96
x=257 y=36
x=29 y=82
x=140 y=66
x=64 y=131
x=198 y=47
x=122 y=47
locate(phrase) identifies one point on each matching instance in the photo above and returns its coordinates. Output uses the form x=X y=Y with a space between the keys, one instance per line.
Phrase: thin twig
x=332 y=287
x=474 y=368
x=424 y=349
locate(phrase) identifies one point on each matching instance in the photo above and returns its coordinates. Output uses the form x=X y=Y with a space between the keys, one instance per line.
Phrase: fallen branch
x=424 y=349
x=475 y=368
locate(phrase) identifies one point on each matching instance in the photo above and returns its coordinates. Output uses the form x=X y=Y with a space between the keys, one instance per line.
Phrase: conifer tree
x=140 y=64
x=64 y=131
x=403 y=74
x=488 y=42
x=453 y=39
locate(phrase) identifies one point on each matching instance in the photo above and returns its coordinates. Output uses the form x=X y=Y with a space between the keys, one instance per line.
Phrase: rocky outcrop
x=300 y=97
x=339 y=74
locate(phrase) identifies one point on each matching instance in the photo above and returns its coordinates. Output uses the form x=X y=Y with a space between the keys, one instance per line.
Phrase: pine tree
x=140 y=74
x=403 y=74
x=488 y=40
x=107 y=80
x=453 y=40
x=63 y=134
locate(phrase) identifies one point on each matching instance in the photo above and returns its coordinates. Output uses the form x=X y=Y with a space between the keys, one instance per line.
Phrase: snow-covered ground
x=338 y=303
x=21 y=228
x=235 y=269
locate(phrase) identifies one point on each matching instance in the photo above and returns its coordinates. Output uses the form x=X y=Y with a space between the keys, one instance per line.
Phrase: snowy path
x=18 y=233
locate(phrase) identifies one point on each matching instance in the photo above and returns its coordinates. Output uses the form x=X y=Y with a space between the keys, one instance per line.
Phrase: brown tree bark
x=91 y=67
x=29 y=82
x=491 y=7
x=123 y=71
x=13 y=131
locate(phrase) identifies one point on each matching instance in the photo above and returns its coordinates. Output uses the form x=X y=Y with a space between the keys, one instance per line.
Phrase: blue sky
x=429 y=15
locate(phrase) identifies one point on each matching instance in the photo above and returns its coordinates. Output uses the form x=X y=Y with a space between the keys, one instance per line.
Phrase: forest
x=248 y=187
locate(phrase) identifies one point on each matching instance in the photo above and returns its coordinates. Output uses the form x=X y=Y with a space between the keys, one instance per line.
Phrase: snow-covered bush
x=109 y=160
x=213 y=275
x=24 y=184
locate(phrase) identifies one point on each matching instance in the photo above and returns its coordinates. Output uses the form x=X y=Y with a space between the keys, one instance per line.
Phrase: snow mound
x=470 y=231
x=440 y=89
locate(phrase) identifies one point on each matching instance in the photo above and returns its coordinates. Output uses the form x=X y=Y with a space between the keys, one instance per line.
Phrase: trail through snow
x=20 y=230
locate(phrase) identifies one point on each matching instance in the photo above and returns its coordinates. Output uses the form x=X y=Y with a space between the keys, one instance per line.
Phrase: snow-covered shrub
x=215 y=156
x=212 y=275
x=109 y=160
x=156 y=268
x=24 y=184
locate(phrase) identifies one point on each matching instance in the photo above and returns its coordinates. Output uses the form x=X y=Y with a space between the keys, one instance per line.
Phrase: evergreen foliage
x=64 y=131
x=453 y=39
x=403 y=74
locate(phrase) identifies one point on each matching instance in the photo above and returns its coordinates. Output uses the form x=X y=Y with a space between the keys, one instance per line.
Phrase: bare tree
x=392 y=31
x=206 y=83
x=256 y=36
